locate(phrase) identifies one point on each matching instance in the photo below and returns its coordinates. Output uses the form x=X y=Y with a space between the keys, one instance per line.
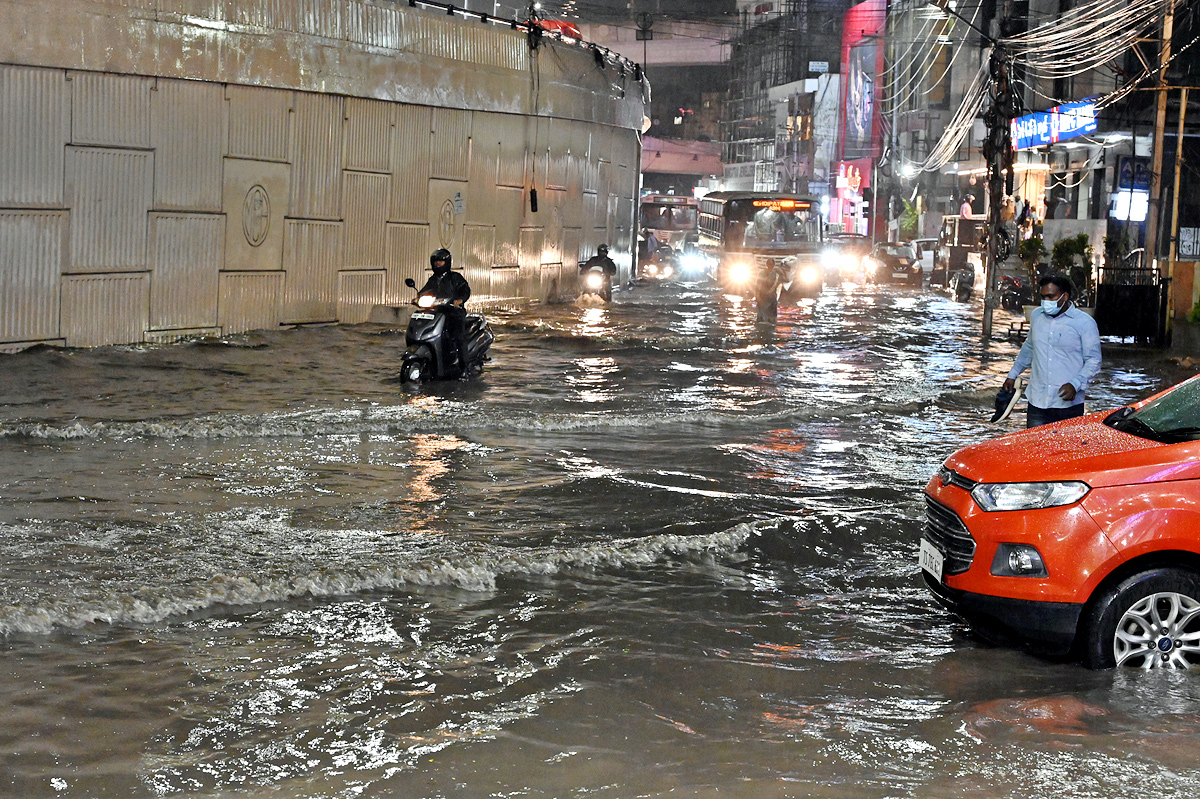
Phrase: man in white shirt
x=1062 y=354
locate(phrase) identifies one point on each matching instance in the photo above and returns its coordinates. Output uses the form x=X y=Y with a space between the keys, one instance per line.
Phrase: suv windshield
x=1172 y=418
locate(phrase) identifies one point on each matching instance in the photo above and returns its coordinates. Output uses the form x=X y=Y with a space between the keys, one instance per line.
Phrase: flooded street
x=654 y=551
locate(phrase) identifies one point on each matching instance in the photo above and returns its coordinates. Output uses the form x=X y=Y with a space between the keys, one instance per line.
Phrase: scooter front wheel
x=413 y=371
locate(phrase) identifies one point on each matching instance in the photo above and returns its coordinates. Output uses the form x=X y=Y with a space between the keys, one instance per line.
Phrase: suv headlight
x=1028 y=496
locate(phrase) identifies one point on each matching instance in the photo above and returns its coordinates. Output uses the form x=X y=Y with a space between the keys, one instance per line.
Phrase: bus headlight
x=740 y=272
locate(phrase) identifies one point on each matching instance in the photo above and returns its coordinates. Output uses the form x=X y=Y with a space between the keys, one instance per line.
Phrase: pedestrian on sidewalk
x=1062 y=353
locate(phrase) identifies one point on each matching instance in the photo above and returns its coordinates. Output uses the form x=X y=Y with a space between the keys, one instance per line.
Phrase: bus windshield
x=660 y=216
x=775 y=221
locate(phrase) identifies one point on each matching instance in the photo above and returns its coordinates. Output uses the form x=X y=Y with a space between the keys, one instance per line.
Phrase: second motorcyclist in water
x=451 y=287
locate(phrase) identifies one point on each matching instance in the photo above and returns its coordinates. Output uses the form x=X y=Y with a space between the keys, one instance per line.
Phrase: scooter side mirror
x=408 y=281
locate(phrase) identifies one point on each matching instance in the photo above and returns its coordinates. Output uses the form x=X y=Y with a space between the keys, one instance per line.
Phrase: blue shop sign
x=1062 y=122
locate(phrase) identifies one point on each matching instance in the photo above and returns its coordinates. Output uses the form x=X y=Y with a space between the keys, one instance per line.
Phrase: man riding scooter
x=452 y=287
x=605 y=269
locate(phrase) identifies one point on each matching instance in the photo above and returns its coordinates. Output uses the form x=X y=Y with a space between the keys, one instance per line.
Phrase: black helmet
x=441 y=255
x=602 y=249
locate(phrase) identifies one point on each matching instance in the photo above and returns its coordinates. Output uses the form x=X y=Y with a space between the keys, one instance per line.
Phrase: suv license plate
x=931 y=559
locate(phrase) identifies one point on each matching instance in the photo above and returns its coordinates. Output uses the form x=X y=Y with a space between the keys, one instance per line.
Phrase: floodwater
x=654 y=551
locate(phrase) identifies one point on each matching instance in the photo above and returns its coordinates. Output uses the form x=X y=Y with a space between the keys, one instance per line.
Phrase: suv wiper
x=1179 y=434
x=1136 y=427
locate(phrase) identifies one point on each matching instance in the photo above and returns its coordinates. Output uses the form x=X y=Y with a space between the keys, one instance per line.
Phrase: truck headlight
x=1028 y=496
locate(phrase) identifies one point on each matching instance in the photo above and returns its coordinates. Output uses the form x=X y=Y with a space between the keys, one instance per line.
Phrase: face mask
x=1050 y=306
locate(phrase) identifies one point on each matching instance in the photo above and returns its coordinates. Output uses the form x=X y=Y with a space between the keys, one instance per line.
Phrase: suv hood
x=1077 y=449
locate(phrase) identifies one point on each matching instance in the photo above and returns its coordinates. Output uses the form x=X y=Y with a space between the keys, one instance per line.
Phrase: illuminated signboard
x=1062 y=122
x=780 y=205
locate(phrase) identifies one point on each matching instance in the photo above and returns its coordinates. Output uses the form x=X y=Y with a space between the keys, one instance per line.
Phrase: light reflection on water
x=656 y=549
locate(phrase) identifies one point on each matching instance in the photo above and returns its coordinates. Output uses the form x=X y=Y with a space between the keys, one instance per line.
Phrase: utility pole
x=1153 y=213
x=997 y=152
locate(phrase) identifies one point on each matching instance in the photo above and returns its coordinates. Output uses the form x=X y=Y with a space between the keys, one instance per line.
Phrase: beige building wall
x=206 y=167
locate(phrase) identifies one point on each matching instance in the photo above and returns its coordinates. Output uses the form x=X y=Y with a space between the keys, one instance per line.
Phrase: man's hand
x=1010 y=384
x=1067 y=392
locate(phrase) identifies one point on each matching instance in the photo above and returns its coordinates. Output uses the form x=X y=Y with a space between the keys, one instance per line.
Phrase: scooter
x=593 y=280
x=963 y=283
x=428 y=356
x=1014 y=294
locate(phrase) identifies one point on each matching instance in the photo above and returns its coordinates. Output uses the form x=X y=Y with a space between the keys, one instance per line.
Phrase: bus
x=671 y=219
x=768 y=243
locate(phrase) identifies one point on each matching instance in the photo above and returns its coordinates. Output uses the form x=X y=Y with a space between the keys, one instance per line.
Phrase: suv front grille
x=947 y=532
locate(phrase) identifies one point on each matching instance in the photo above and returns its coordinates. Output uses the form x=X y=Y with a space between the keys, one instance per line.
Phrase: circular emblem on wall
x=446 y=223
x=256 y=215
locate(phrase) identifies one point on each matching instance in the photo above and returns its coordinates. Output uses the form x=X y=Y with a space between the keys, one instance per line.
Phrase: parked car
x=843 y=257
x=893 y=262
x=1081 y=537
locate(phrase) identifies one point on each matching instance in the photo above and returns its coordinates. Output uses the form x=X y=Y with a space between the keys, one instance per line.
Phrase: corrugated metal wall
x=140 y=207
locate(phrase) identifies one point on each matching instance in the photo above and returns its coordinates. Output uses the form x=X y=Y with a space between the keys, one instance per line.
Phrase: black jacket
x=447 y=285
x=602 y=261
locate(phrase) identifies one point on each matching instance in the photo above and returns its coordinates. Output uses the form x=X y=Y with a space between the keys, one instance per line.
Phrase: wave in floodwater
x=473 y=566
x=457 y=417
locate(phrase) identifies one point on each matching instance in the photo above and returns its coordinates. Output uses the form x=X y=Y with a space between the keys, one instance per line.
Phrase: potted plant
x=1072 y=257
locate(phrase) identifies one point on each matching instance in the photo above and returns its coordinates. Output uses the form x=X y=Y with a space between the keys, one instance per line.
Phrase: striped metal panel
x=407 y=257
x=365 y=208
x=358 y=292
x=186 y=264
x=557 y=153
x=574 y=250
x=509 y=209
x=311 y=255
x=187 y=127
x=249 y=301
x=477 y=257
x=426 y=34
x=109 y=194
x=320 y=17
x=451 y=144
x=410 y=165
x=506 y=281
x=259 y=123
x=33 y=245
x=105 y=309
x=372 y=25
x=591 y=166
x=530 y=261
x=368 y=135
x=510 y=132
x=112 y=110
x=35 y=124
x=317 y=160
x=268 y=14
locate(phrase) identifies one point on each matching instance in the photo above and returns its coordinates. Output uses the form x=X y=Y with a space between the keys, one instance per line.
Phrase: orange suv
x=1081 y=537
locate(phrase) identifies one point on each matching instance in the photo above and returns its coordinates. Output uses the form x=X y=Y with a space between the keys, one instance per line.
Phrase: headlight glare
x=1028 y=496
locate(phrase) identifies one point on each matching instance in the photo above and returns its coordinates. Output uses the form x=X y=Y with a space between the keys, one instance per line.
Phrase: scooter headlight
x=425 y=301
x=595 y=280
